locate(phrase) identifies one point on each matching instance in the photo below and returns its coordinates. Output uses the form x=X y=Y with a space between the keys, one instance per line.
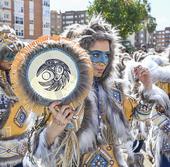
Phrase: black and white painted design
x=54 y=74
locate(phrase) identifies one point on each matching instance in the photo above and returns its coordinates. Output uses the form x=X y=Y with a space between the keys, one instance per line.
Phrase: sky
x=160 y=9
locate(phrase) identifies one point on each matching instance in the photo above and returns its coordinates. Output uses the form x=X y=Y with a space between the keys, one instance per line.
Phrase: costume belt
x=12 y=151
x=102 y=156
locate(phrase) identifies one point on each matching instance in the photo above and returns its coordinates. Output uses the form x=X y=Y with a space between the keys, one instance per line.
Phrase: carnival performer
x=103 y=126
x=159 y=69
x=11 y=147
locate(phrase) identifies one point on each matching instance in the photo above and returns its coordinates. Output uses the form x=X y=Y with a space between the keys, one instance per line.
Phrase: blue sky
x=160 y=9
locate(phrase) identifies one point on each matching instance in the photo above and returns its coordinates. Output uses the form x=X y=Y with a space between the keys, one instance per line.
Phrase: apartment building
x=30 y=18
x=72 y=17
x=162 y=37
x=6 y=16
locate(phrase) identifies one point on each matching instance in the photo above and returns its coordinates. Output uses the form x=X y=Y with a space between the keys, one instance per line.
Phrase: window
x=16 y=32
x=46 y=4
x=6 y=16
x=31 y=21
x=6 y=3
x=69 y=22
x=81 y=21
x=47 y=12
x=22 y=9
x=20 y=32
x=46 y=25
x=19 y=20
x=69 y=17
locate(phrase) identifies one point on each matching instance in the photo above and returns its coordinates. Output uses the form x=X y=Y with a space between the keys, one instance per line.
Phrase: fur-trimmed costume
x=12 y=116
x=103 y=130
x=159 y=68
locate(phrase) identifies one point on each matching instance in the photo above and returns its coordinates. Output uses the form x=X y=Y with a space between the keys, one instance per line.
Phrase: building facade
x=162 y=38
x=144 y=38
x=30 y=18
x=6 y=11
x=56 y=22
x=72 y=17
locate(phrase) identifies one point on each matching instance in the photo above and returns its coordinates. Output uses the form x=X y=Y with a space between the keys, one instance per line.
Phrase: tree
x=126 y=15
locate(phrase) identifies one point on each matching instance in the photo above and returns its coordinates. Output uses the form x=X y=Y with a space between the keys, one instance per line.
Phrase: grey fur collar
x=88 y=131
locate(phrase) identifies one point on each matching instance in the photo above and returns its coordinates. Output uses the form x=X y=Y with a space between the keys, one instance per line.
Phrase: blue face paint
x=98 y=56
x=9 y=57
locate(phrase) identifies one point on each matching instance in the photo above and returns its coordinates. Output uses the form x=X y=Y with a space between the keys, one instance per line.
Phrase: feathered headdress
x=9 y=43
x=97 y=29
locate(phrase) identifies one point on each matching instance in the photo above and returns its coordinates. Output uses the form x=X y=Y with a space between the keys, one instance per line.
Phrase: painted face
x=7 y=53
x=6 y=59
x=98 y=56
x=100 y=52
x=9 y=57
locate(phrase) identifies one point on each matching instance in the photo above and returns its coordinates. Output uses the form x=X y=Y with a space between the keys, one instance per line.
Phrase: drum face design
x=51 y=69
x=52 y=74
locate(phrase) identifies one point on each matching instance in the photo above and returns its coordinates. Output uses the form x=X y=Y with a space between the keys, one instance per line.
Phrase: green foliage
x=126 y=15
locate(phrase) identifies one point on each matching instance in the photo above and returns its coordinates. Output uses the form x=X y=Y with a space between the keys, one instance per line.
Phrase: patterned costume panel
x=102 y=157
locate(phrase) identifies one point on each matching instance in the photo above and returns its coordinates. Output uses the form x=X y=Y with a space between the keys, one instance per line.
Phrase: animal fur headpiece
x=97 y=29
x=9 y=43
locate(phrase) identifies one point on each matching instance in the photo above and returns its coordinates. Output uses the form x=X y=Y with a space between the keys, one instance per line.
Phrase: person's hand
x=143 y=75
x=61 y=116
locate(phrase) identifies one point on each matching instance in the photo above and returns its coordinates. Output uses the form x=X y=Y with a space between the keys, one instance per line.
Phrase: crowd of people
x=123 y=122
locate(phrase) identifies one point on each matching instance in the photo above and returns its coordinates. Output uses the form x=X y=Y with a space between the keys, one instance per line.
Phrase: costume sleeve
x=157 y=94
x=148 y=99
x=42 y=154
x=161 y=120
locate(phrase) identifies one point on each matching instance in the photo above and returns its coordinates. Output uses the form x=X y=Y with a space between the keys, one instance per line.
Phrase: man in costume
x=159 y=68
x=11 y=146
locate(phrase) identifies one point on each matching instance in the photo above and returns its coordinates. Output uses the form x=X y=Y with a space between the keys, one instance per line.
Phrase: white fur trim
x=158 y=95
x=43 y=155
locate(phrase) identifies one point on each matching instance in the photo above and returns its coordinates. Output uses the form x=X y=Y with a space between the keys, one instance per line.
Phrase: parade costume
x=159 y=117
x=103 y=123
x=12 y=114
